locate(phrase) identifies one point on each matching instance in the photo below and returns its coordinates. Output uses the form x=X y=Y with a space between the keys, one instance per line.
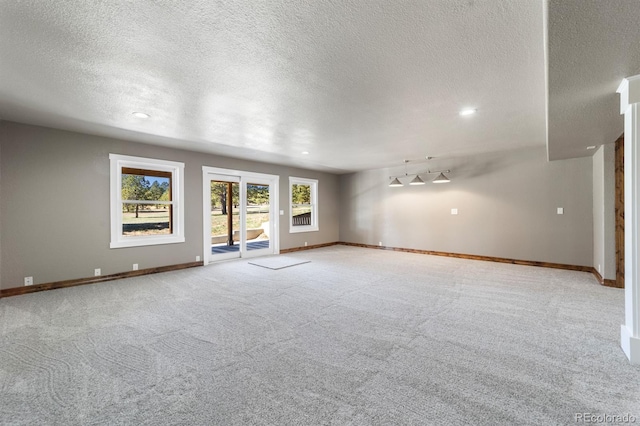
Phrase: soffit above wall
x=593 y=45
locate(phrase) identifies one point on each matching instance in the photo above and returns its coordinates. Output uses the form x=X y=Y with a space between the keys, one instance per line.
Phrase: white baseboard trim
x=630 y=345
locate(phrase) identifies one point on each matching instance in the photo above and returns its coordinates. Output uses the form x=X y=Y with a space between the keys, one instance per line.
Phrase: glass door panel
x=225 y=219
x=258 y=216
x=240 y=214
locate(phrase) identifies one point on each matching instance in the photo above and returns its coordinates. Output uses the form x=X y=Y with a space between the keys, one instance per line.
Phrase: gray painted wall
x=2 y=139
x=604 y=249
x=54 y=215
x=506 y=201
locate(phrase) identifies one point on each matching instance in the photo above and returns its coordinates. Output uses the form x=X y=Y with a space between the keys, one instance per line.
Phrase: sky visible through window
x=160 y=180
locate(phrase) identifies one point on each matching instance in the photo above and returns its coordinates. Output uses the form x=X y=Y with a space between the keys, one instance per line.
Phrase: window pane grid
x=147 y=206
x=303 y=198
x=149 y=188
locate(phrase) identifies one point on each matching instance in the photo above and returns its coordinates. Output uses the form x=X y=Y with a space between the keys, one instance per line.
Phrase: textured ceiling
x=358 y=84
x=593 y=45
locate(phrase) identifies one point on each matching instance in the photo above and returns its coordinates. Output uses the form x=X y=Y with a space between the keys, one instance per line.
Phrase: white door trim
x=244 y=177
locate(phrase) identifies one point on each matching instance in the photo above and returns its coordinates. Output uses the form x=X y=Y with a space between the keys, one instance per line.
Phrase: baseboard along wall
x=606 y=282
x=590 y=269
x=93 y=280
x=315 y=246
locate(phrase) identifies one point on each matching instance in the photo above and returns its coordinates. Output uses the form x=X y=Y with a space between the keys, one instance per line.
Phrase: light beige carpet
x=355 y=337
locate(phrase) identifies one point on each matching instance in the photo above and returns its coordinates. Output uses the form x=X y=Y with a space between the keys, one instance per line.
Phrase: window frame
x=313 y=183
x=117 y=164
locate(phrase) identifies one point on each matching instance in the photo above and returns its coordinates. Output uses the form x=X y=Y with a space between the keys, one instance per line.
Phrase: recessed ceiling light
x=141 y=115
x=591 y=147
x=305 y=152
x=468 y=111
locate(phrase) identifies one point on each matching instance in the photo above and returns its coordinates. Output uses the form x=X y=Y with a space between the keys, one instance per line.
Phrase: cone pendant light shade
x=441 y=179
x=416 y=181
x=395 y=182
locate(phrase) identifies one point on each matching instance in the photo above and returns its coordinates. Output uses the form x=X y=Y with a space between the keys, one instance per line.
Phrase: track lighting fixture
x=417 y=180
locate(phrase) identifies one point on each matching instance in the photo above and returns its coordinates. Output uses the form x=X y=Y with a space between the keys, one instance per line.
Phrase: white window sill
x=298 y=229
x=146 y=241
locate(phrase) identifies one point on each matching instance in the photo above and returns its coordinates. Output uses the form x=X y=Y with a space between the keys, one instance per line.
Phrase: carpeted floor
x=355 y=337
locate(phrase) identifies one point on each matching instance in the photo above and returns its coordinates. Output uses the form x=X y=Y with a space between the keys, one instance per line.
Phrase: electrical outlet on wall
x=305 y=243
x=97 y=272
x=454 y=211
x=197 y=258
x=28 y=280
x=135 y=266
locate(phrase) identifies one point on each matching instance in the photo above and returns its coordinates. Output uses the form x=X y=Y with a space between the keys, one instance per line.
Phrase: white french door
x=240 y=214
x=223 y=216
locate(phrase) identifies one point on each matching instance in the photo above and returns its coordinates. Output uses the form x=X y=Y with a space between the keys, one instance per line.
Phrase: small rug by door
x=278 y=262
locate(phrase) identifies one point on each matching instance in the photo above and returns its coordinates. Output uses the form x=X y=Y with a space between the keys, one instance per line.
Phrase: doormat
x=277 y=262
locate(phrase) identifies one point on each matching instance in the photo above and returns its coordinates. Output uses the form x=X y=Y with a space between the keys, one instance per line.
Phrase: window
x=303 y=199
x=146 y=201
